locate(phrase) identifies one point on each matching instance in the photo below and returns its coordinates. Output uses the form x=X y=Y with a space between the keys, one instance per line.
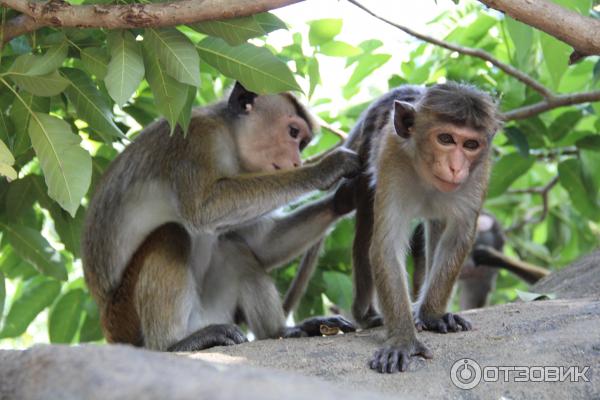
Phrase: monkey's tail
x=306 y=268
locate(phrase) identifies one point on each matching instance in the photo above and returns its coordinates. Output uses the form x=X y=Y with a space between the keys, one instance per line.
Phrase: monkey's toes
x=230 y=335
x=391 y=359
x=312 y=326
x=447 y=323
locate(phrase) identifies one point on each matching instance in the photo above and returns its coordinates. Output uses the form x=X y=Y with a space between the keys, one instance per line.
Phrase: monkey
x=426 y=155
x=180 y=234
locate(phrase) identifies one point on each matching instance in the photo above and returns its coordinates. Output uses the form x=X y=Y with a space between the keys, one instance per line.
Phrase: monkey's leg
x=165 y=295
x=448 y=257
x=488 y=256
x=363 y=310
x=388 y=249
x=475 y=284
x=306 y=268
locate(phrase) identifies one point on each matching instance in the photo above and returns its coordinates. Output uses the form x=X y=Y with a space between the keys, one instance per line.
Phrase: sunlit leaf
x=37 y=294
x=556 y=57
x=176 y=53
x=506 y=170
x=126 y=67
x=564 y=124
x=314 y=75
x=522 y=37
x=67 y=167
x=20 y=116
x=90 y=329
x=236 y=31
x=31 y=246
x=255 y=67
x=336 y=48
x=323 y=30
x=43 y=85
x=65 y=316
x=6 y=162
x=95 y=60
x=2 y=294
x=90 y=104
x=571 y=178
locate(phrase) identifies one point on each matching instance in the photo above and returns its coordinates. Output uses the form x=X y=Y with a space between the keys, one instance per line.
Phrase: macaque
x=180 y=235
x=426 y=154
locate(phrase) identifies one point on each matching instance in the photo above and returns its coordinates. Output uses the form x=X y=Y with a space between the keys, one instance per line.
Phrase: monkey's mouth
x=445 y=186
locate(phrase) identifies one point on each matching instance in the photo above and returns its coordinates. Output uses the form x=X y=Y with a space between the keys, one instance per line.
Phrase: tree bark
x=580 y=32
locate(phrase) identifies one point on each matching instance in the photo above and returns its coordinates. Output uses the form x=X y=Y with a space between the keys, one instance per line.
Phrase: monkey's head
x=271 y=130
x=452 y=127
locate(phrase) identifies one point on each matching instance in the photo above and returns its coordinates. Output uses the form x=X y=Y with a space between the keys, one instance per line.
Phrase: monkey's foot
x=370 y=319
x=211 y=336
x=446 y=323
x=394 y=357
x=312 y=326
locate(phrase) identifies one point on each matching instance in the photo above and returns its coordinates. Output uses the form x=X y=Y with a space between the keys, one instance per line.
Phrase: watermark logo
x=467 y=373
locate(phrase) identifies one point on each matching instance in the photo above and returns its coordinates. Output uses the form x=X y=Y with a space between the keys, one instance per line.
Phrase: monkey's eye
x=445 y=138
x=471 y=144
x=294 y=132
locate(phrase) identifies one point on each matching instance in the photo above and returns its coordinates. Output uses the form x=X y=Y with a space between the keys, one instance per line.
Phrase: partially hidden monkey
x=179 y=236
x=426 y=151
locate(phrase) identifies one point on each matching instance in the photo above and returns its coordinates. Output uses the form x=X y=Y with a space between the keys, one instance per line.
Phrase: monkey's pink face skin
x=454 y=150
x=275 y=145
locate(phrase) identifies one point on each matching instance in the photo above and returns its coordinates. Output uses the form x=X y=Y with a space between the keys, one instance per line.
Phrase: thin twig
x=509 y=69
x=531 y=218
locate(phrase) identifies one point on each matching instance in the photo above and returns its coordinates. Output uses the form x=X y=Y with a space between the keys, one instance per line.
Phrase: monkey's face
x=273 y=136
x=454 y=151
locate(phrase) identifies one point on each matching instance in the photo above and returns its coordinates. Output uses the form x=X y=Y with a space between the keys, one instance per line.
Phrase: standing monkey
x=178 y=239
x=427 y=154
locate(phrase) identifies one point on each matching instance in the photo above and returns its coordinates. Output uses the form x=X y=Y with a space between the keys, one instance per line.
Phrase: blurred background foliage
x=71 y=99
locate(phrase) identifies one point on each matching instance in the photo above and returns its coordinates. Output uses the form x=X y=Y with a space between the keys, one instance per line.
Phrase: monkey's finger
x=383 y=361
x=403 y=361
x=227 y=342
x=393 y=362
x=373 y=364
x=423 y=351
x=450 y=322
x=342 y=323
x=464 y=323
x=419 y=326
x=440 y=326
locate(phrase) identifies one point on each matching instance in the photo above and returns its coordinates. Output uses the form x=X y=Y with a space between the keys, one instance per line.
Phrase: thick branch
x=509 y=69
x=551 y=103
x=18 y=26
x=59 y=13
x=582 y=33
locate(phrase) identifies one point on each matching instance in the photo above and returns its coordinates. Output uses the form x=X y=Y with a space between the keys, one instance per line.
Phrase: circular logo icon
x=465 y=374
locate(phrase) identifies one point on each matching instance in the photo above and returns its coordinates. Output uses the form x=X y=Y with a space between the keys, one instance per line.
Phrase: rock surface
x=556 y=333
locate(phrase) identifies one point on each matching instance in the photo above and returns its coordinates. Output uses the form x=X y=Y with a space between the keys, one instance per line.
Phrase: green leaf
x=14 y=267
x=591 y=142
x=506 y=170
x=531 y=296
x=556 y=57
x=570 y=173
x=323 y=30
x=176 y=53
x=336 y=48
x=65 y=316
x=2 y=295
x=365 y=67
x=186 y=112
x=126 y=67
x=32 y=247
x=20 y=117
x=95 y=60
x=43 y=85
x=338 y=288
x=522 y=37
x=236 y=31
x=67 y=167
x=20 y=197
x=255 y=67
x=168 y=92
x=37 y=294
x=50 y=61
x=90 y=104
x=90 y=329
x=313 y=74
x=6 y=162
x=518 y=139
x=564 y=124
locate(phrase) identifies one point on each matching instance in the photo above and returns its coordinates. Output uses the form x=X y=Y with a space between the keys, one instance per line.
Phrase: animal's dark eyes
x=445 y=138
x=471 y=144
x=294 y=132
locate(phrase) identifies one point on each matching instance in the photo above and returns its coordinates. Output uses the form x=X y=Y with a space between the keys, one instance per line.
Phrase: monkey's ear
x=241 y=100
x=404 y=118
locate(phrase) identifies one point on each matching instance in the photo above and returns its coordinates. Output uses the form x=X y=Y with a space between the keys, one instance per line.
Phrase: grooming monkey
x=427 y=156
x=179 y=239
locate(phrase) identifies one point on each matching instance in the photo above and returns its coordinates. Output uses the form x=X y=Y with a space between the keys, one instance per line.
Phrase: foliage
x=70 y=99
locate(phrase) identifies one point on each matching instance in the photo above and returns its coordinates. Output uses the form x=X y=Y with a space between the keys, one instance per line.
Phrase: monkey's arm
x=488 y=256
x=238 y=199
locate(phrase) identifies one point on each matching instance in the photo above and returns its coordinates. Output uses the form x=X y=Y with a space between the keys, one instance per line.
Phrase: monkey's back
x=124 y=194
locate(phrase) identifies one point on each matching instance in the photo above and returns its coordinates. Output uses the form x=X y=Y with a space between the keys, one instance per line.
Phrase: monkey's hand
x=312 y=326
x=210 y=336
x=344 y=199
x=446 y=323
x=341 y=163
x=396 y=353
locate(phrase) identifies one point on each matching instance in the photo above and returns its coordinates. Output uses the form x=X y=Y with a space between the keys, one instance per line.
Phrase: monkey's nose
x=276 y=166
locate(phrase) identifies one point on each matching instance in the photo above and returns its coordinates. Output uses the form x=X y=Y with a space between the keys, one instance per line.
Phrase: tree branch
x=581 y=32
x=531 y=219
x=551 y=103
x=59 y=13
x=509 y=69
x=18 y=26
